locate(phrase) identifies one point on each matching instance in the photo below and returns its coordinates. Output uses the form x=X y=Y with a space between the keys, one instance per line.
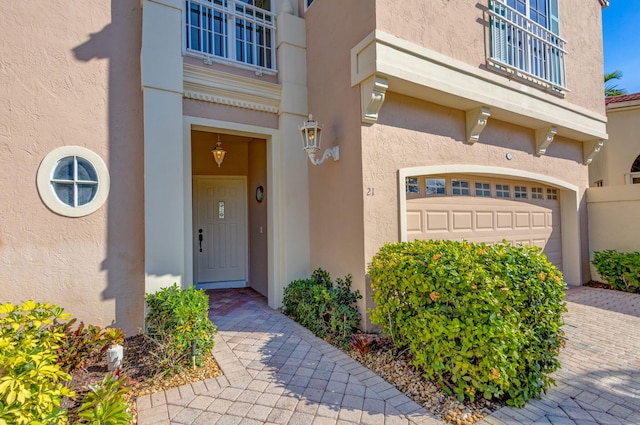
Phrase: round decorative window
x=73 y=181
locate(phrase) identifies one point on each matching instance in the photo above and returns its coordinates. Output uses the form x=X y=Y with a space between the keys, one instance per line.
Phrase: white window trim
x=45 y=175
x=308 y=4
x=628 y=177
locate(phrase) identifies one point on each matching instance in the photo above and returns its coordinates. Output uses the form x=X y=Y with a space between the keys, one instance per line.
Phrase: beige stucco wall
x=613 y=218
x=72 y=84
x=459 y=29
x=335 y=188
x=412 y=133
x=623 y=147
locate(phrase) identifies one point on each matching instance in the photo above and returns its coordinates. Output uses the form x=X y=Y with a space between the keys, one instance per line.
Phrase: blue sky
x=621 y=26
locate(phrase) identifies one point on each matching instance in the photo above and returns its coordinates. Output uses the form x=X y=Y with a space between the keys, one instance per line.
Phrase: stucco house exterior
x=450 y=119
x=614 y=176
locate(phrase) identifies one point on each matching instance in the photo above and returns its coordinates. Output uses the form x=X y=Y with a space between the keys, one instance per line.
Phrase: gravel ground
x=396 y=369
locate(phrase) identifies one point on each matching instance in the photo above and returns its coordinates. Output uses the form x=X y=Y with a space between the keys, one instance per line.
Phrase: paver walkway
x=275 y=371
x=599 y=382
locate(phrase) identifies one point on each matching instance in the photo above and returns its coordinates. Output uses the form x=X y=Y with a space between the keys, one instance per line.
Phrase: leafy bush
x=176 y=319
x=31 y=380
x=479 y=319
x=82 y=342
x=621 y=270
x=105 y=403
x=325 y=309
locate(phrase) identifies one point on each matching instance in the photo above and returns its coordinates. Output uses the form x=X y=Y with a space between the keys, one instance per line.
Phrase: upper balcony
x=239 y=33
x=521 y=46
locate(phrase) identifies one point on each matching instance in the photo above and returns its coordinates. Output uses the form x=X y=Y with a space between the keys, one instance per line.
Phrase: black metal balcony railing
x=231 y=31
x=520 y=44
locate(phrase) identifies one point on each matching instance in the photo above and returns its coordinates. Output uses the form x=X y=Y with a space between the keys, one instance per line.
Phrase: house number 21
x=370 y=191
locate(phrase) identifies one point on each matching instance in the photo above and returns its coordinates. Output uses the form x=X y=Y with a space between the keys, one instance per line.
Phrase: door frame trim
x=245 y=218
x=276 y=264
x=569 y=207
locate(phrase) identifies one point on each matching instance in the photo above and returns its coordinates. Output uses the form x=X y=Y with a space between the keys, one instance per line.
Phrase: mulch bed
x=142 y=372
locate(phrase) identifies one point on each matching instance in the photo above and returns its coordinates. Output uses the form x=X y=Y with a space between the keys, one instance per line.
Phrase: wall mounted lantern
x=219 y=153
x=311 y=133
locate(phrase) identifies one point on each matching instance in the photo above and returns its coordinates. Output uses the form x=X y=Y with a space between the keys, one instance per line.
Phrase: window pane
x=520 y=192
x=64 y=169
x=86 y=193
x=460 y=187
x=536 y=193
x=502 y=191
x=86 y=172
x=412 y=185
x=435 y=186
x=483 y=190
x=64 y=192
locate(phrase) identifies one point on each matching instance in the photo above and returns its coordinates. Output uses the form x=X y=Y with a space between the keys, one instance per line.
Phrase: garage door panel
x=523 y=220
x=437 y=221
x=538 y=219
x=462 y=221
x=414 y=221
x=550 y=219
x=504 y=220
x=540 y=243
x=484 y=220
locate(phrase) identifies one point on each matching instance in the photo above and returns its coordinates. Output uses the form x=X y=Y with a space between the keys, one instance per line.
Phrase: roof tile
x=622 y=98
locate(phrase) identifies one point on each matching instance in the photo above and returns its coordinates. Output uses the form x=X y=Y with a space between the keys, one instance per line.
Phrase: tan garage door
x=479 y=209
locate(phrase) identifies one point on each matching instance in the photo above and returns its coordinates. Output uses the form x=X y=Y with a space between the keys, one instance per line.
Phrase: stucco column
x=163 y=150
x=293 y=209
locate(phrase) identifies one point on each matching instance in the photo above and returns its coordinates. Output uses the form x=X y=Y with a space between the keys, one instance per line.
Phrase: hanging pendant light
x=219 y=153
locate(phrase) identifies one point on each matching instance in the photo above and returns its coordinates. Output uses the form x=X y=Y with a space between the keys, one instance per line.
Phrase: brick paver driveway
x=599 y=382
x=278 y=372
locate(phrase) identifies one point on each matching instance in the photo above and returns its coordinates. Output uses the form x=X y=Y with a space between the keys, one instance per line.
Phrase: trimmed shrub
x=176 y=319
x=480 y=320
x=31 y=379
x=621 y=270
x=327 y=310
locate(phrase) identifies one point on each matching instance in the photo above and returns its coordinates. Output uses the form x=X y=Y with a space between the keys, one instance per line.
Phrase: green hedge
x=621 y=270
x=327 y=310
x=481 y=320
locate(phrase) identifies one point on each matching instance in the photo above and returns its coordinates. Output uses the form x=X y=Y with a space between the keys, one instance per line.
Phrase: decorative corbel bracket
x=544 y=137
x=591 y=149
x=372 y=92
x=476 y=122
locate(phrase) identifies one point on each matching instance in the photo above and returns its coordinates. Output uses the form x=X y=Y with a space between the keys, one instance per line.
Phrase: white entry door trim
x=220 y=246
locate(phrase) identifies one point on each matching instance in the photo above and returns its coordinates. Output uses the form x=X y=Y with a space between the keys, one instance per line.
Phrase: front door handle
x=200 y=238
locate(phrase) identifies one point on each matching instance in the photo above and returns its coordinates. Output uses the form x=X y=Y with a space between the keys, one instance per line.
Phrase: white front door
x=220 y=231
